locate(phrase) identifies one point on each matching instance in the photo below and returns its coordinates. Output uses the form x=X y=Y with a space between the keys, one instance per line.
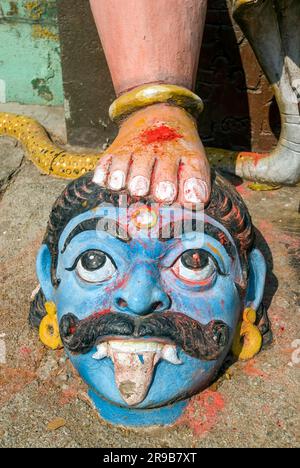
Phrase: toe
x=102 y=170
x=194 y=180
x=164 y=183
x=140 y=174
x=118 y=171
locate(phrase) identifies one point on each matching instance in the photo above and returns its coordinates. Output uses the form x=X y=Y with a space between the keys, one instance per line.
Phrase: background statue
x=272 y=28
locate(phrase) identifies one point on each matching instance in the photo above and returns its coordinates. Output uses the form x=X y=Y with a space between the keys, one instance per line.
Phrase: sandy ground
x=255 y=404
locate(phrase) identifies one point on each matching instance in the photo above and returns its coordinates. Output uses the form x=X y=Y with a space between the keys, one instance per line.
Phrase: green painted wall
x=30 y=67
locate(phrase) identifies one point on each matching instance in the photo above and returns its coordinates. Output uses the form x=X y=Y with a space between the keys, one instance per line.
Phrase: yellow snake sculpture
x=45 y=155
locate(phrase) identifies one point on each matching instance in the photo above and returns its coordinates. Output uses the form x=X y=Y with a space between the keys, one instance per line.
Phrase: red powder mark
x=25 y=351
x=272 y=232
x=266 y=409
x=265 y=225
x=243 y=190
x=67 y=396
x=267 y=230
x=121 y=282
x=202 y=412
x=13 y=381
x=252 y=371
x=159 y=134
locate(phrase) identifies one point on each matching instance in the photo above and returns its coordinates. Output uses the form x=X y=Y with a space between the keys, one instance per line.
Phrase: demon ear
x=43 y=270
x=248 y=336
x=257 y=279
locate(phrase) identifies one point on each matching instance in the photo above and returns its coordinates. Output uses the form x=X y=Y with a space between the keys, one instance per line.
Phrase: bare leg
x=150 y=41
x=272 y=28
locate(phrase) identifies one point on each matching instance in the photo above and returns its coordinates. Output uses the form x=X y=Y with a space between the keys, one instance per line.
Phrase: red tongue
x=133 y=375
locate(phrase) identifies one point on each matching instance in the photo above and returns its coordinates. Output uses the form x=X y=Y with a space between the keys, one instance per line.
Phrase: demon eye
x=95 y=266
x=194 y=265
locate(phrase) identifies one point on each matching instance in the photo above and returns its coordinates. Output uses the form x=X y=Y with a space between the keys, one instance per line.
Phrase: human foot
x=158 y=152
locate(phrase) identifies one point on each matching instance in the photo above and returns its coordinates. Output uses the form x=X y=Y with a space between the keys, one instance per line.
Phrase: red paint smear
x=121 y=282
x=202 y=412
x=181 y=168
x=100 y=313
x=256 y=157
x=252 y=371
x=159 y=134
x=93 y=316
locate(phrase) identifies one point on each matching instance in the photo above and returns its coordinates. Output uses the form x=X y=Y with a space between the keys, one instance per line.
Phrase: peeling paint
x=13 y=9
x=40 y=85
x=35 y=9
x=42 y=32
x=30 y=63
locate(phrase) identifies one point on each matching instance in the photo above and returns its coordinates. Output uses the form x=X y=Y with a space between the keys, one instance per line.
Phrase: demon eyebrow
x=98 y=224
x=178 y=228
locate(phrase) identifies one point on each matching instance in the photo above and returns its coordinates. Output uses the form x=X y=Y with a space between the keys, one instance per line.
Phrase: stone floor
x=255 y=404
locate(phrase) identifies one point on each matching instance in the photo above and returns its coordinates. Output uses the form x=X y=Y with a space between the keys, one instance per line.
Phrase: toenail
x=99 y=176
x=165 y=191
x=139 y=186
x=195 y=190
x=117 y=180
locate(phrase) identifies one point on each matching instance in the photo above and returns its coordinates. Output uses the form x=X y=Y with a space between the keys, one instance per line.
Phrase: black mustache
x=205 y=342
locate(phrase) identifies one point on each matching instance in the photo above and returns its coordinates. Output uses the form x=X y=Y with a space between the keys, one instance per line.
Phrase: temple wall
x=30 y=67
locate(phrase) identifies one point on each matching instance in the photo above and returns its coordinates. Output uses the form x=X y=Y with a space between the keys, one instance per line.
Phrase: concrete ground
x=255 y=404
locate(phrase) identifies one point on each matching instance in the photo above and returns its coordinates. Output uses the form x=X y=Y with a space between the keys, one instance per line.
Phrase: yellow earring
x=49 y=329
x=248 y=340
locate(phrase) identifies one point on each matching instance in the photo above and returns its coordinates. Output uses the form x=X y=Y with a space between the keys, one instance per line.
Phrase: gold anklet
x=240 y=3
x=147 y=95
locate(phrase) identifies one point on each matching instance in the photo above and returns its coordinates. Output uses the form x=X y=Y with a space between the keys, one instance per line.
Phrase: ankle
x=157 y=115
